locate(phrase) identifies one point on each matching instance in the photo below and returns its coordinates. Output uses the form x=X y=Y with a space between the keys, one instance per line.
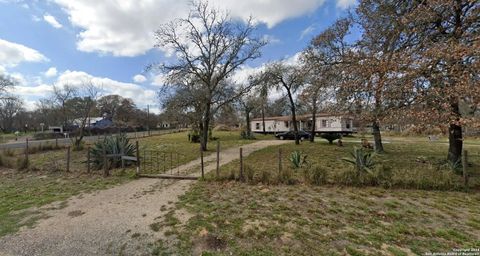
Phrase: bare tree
x=10 y=106
x=210 y=47
x=288 y=78
x=5 y=83
x=81 y=108
x=61 y=94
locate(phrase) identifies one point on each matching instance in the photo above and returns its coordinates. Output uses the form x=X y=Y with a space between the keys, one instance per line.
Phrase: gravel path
x=114 y=221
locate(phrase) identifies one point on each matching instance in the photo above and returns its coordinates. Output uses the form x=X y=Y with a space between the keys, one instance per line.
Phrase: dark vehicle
x=290 y=135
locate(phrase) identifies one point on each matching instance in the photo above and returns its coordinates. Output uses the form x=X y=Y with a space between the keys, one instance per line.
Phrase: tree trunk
x=377 y=137
x=263 y=119
x=314 y=122
x=455 y=138
x=249 y=127
x=294 y=117
x=204 y=128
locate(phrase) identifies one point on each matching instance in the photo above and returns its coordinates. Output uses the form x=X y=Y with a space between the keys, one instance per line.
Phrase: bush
x=245 y=135
x=330 y=137
x=298 y=159
x=111 y=145
x=22 y=163
x=315 y=175
x=265 y=177
x=287 y=177
x=249 y=173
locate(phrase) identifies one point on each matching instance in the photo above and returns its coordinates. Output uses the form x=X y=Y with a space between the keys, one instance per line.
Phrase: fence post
x=201 y=161
x=279 y=161
x=26 y=152
x=56 y=141
x=68 y=158
x=138 y=157
x=241 y=164
x=88 y=159
x=464 y=167
x=218 y=159
x=105 y=167
x=121 y=157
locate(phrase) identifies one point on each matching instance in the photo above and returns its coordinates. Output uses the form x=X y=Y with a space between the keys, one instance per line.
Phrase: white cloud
x=139 y=94
x=51 y=72
x=12 y=54
x=271 y=39
x=125 y=28
x=139 y=79
x=307 y=31
x=345 y=4
x=52 y=21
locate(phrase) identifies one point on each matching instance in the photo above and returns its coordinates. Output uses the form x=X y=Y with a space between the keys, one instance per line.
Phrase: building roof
x=299 y=117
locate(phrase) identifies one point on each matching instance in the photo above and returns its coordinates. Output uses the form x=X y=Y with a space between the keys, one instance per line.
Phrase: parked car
x=290 y=135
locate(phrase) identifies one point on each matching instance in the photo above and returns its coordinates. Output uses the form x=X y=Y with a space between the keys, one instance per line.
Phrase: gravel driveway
x=113 y=221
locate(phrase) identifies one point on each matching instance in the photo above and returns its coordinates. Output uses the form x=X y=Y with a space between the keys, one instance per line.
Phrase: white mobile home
x=324 y=123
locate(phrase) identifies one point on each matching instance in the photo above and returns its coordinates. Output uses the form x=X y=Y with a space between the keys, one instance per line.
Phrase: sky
x=111 y=42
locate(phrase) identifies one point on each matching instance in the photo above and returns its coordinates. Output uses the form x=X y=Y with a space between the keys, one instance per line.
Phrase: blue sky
x=111 y=42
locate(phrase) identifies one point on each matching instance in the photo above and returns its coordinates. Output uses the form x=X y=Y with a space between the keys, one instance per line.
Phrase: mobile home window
x=286 y=124
x=257 y=126
x=324 y=123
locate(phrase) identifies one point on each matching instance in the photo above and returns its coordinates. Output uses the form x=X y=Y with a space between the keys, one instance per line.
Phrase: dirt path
x=111 y=222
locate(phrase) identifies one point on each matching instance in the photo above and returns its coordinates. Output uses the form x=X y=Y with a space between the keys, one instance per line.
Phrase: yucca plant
x=119 y=144
x=361 y=159
x=298 y=159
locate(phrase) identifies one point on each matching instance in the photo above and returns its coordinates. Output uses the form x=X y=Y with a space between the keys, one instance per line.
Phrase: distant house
x=94 y=122
x=325 y=123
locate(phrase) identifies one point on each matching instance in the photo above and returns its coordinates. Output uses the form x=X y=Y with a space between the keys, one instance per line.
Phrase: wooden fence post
x=68 y=159
x=138 y=157
x=26 y=152
x=121 y=157
x=88 y=159
x=218 y=159
x=56 y=141
x=105 y=162
x=241 y=164
x=464 y=167
x=201 y=161
x=279 y=161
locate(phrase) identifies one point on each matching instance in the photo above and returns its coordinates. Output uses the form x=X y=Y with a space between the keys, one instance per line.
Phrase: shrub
x=361 y=159
x=265 y=177
x=245 y=135
x=298 y=159
x=249 y=173
x=9 y=152
x=111 y=145
x=318 y=175
x=330 y=137
x=22 y=163
x=286 y=176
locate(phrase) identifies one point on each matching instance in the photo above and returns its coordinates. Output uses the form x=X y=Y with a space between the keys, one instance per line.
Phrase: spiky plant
x=298 y=159
x=111 y=145
x=361 y=159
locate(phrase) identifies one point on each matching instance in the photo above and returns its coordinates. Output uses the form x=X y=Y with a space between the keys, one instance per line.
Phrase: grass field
x=46 y=181
x=239 y=219
x=412 y=164
x=235 y=218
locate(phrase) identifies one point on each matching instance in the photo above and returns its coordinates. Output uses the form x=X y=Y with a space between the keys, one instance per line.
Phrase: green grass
x=158 y=149
x=22 y=194
x=240 y=219
x=419 y=165
x=46 y=181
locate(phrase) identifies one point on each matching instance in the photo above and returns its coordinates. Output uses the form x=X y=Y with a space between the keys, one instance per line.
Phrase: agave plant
x=361 y=159
x=111 y=145
x=298 y=159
